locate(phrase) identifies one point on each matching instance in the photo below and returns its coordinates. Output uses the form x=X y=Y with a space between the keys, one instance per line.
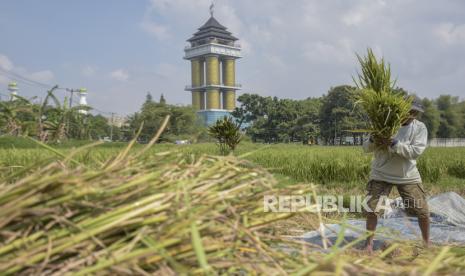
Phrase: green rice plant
x=386 y=109
x=347 y=167
x=375 y=75
x=227 y=134
x=457 y=169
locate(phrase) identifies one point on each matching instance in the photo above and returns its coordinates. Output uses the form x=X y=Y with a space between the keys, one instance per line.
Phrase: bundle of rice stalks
x=140 y=214
x=386 y=109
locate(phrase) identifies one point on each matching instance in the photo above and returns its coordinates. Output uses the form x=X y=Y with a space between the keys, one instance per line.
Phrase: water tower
x=213 y=53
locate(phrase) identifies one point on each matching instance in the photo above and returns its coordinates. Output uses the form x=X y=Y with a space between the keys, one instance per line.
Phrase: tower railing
x=235 y=45
x=234 y=86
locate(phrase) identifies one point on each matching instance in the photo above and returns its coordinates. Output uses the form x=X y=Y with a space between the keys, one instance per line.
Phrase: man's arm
x=415 y=149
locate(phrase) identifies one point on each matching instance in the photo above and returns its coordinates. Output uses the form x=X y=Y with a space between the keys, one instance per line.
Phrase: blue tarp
x=447 y=224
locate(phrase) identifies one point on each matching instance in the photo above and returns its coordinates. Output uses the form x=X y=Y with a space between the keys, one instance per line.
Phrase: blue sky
x=121 y=49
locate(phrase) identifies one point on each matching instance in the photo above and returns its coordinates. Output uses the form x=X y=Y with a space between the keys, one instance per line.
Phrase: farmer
x=398 y=167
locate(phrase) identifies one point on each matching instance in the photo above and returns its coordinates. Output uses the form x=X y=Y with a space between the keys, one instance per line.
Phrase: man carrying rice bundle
x=397 y=167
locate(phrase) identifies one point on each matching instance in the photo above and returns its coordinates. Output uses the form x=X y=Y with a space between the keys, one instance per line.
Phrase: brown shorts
x=413 y=197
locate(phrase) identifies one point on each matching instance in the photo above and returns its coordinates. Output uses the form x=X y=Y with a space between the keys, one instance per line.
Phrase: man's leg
x=375 y=190
x=424 y=228
x=414 y=197
x=372 y=221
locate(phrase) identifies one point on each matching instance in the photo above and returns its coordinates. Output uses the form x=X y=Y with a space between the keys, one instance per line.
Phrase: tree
x=430 y=117
x=339 y=114
x=16 y=115
x=449 y=123
x=461 y=109
x=97 y=127
x=250 y=109
x=306 y=125
x=183 y=121
x=278 y=120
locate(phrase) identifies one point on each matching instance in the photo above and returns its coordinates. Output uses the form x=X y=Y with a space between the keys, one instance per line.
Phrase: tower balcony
x=233 y=51
x=236 y=86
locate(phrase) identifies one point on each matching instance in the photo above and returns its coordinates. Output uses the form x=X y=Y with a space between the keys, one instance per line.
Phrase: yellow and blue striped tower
x=213 y=52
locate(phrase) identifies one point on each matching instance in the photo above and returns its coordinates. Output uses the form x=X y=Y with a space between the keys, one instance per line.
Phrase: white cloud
x=169 y=6
x=167 y=70
x=450 y=33
x=5 y=63
x=362 y=12
x=338 y=52
x=162 y=9
x=159 y=31
x=120 y=75
x=42 y=76
x=88 y=71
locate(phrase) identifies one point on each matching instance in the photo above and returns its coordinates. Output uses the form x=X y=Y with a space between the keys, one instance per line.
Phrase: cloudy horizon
x=120 y=50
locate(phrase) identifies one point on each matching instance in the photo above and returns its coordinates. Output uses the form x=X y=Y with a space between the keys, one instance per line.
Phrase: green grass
x=345 y=169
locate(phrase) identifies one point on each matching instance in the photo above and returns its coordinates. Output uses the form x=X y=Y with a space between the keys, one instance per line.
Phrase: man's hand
x=386 y=141
x=383 y=141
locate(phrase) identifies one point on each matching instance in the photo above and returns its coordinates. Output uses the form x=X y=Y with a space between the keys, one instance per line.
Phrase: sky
x=121 y=49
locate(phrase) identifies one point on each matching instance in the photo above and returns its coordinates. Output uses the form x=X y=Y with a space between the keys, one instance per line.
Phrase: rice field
x=442 y=169
x=106 y=210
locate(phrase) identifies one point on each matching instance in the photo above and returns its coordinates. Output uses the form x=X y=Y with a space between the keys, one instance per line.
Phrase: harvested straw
x=385 y=108
x=139 y=214
x=165 y=214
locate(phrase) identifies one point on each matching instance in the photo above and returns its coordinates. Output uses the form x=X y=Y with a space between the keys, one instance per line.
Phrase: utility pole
x=111 y=125
x=71 y=92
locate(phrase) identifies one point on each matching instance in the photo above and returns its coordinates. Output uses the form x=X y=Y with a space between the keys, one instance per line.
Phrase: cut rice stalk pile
x=385 y=108
x=140 y=214
x=167 y=214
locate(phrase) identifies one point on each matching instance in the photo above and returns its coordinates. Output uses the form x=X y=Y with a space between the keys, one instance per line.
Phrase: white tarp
x=447 y=224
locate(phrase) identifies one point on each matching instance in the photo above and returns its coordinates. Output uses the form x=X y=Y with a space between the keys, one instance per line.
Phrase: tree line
x=333 y=118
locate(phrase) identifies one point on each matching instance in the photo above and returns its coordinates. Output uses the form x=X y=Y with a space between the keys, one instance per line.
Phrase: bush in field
x=227 y=134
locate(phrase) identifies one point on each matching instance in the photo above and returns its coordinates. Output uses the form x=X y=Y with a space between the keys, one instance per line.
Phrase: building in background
x=83 y=100
x=213 y=52
x=117 y=120
x=13 y=89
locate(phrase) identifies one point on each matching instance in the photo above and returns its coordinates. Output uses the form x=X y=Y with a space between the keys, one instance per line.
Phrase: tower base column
x=213 y=99
x=196 y=101
x=229 y=99
x=202 y=99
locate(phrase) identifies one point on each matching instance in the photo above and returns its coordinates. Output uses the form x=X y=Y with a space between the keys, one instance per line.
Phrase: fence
x=446 y=142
